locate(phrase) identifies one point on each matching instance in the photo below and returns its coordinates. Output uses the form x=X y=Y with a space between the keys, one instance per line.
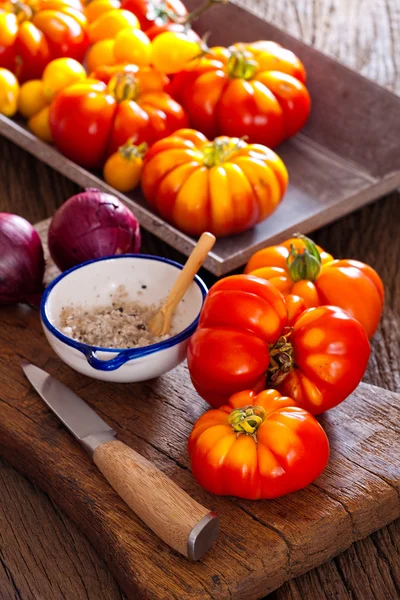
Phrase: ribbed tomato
x=301 y=268
x=244 y=341
x=224 y=186
x=90 y=120
x=255 y=90
x=257 y=446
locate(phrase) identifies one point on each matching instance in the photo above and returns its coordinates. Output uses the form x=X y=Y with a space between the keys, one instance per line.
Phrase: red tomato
x=229 y=352
x=34 y=33
x=254 y=90
x=257 y=446
x=154 y=16
x=89 y=121
x=243 y=341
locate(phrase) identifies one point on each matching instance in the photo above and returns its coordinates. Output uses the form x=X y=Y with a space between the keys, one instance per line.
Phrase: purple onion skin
x=21 y=261
x=90 y=225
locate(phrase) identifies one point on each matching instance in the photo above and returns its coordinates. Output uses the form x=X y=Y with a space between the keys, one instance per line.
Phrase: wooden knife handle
x=170 y=512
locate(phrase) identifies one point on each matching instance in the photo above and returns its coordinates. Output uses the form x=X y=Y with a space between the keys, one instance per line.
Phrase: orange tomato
x=224 y=186
x=100 y=54
x=96 y=8
x=300 y=267
x=31 y=98
x=123 y=168
x=257 y=446
x=108 y=24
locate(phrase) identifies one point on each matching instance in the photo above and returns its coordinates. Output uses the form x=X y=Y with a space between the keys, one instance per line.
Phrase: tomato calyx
x=241 y=64
x=130 y=151
x=220 y=150
x=281 y=360
x=123 y=86
x=22 y=11
x=247 y=420
x=304 y=264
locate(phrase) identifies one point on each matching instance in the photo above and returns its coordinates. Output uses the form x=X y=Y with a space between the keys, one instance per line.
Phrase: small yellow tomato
x=9 y=92
x=8 y=28
x=171 y=52
x=124 y=168
x=96 y=8
x=133 y=46
x=109 y=24
x=31 y=98
x=60 y=73
x=100 y=54
x=39 y=124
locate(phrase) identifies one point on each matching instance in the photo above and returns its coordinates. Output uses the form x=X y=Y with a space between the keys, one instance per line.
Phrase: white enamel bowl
x=148 y=280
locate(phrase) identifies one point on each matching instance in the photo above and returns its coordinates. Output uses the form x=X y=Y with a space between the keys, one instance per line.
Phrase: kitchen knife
x=170 y=512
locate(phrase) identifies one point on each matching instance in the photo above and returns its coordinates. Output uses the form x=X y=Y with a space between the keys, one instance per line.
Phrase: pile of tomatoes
x=283 y=342
x=128 y=87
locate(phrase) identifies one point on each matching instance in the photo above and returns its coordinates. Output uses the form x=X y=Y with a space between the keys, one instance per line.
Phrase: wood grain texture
x=159 y=502
x=261 y=544
x=43 y=556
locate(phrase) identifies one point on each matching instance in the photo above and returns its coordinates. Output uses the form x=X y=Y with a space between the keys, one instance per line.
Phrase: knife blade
x=180 y=521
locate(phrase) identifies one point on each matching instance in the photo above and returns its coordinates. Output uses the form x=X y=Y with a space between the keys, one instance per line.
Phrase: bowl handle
x=112 y=364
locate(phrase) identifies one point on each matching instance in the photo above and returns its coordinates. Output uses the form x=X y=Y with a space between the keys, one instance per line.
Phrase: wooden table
x=39 y=547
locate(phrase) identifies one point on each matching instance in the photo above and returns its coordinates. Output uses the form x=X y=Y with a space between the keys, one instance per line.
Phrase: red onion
x=90 y=225
x=21 y=261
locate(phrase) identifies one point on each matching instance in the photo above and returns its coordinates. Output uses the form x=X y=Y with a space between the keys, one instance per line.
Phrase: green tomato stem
x=304 y=264
x=247 y=419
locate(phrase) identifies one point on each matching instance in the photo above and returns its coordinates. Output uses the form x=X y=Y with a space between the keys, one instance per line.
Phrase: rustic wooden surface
x=42 y=555
x=261 y=544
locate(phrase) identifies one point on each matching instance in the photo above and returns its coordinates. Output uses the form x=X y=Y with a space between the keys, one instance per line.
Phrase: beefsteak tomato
x=255 y=90
x=244 y=341
x=91 y=120
x=257 y=446
x=300 y=267
x=34 y=32
x=225 y=186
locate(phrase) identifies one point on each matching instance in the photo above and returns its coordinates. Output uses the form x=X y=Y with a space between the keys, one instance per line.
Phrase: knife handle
x=170 y=512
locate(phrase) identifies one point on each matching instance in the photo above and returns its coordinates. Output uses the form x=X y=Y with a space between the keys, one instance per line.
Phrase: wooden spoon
x=160 y=324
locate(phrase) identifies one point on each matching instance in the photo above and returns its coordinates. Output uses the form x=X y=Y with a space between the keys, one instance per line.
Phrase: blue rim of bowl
x=123 y=353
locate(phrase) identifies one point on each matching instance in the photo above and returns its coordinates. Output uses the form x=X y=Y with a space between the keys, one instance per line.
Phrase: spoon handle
x=192 y=265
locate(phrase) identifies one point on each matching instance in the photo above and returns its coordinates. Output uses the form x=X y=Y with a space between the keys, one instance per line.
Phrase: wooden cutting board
x=261 y=544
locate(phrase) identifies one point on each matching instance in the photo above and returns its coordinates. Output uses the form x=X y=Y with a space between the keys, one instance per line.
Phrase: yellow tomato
x=100 y=54
x=109 y=24
x=31 y=98
x=8 y=28
x=39 y=124
x=133 y=46
x=96 y=8
x=9 y=92
x=124 y=168
x=171 y=52
x=60 y=73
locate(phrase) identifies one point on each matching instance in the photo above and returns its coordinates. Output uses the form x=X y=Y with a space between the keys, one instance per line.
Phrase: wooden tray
x=261 y=544
x=347 y=156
